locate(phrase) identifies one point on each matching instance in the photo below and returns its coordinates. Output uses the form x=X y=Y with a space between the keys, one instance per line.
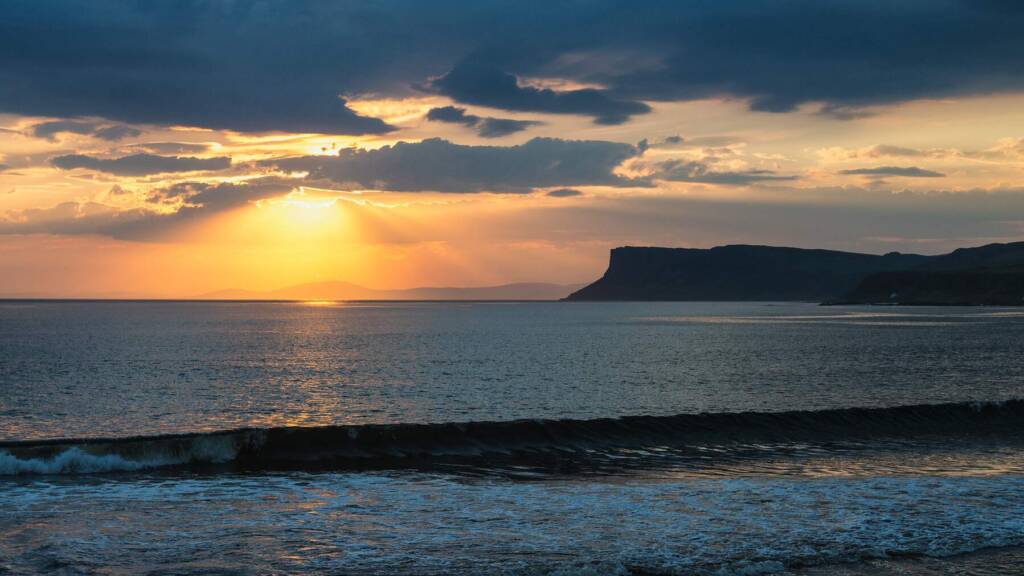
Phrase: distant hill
x=992 y=287
x=336 y=290
x=989 y=256
x=738 y=272
x=991 y=274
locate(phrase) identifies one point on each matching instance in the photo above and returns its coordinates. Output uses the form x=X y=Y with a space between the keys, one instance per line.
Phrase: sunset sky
x=170 y=149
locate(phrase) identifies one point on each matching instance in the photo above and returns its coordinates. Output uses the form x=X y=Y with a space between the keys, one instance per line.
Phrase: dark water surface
x=536 y=438
x=116 y=369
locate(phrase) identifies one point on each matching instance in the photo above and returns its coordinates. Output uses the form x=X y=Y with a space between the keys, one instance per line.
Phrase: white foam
x=75 y=460
x=432 y=524
x=71 y=461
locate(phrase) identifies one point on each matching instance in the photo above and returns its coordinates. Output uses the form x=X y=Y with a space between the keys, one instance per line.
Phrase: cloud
x=837 y=111
x=248 y=66
x=905 y=171
x=487 y=86
x=171 y=147
x=1011 y=148
x=498 y=127
x=890 y=151
x=694 y=171
x=111 y=133
x=708 y=143
x=141 y=164
x=867 y=53
x=190 y=200
x=255 y=65
x=50 y=130
x=847 y=218
x=487 y=127
x=564 y=193
x=4 y=167
x=870 y=53
x=216 y=197
x=115 y=133
x=441 y=166
x=452 y=115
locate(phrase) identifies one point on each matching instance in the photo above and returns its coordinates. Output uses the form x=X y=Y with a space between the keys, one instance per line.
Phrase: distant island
x=985 y=275
x=337 y=290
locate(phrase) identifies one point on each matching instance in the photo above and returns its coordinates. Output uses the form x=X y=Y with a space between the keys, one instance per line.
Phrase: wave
x=404 y=445
x=113 y=455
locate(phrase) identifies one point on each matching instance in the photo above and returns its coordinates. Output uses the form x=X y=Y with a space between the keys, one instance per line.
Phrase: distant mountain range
x=992 y=274
x=336 y=290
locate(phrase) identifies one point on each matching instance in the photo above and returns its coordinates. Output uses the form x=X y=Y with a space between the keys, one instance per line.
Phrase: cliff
x=991 y=274
x=987 y=275
x=736 y=272
x=995 y=287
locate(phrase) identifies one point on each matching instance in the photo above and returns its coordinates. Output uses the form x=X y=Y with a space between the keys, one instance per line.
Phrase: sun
x=308 y=204
x=304 y=211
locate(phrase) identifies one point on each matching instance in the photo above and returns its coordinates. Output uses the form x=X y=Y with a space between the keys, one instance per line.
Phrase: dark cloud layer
x=266 y=65
x=141 y=164
x=487 y=127
x=250 y=66
x=564 y=193
x=439 y=165
x=115 y=133
x=906 y=171
x=204 y=197
x=111 y=133
x=498 y=127
x=492 y=87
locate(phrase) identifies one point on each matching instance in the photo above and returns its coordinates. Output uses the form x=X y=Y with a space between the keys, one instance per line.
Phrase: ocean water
x=510 y=438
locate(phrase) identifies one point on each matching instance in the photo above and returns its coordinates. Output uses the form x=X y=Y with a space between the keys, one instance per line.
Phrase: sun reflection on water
x=321 y=303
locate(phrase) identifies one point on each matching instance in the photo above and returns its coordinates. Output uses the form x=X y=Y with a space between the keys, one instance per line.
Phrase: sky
x=173 y=148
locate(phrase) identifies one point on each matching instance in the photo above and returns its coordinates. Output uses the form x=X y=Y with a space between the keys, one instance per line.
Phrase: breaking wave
x=403 y=445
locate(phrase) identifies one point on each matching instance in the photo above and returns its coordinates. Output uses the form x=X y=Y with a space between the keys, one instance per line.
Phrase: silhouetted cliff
x=941 y=287
x=736 y=273
x=991 y=274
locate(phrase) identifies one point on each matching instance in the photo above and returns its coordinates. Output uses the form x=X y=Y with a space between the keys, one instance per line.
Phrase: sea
x=547 y=438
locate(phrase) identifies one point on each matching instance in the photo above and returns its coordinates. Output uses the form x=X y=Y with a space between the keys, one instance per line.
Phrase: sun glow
x=307 y=204
x=301 y=212
x=396 y=110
